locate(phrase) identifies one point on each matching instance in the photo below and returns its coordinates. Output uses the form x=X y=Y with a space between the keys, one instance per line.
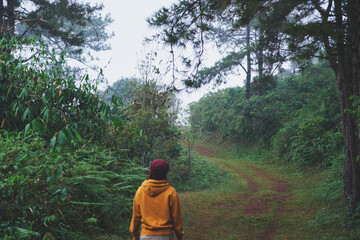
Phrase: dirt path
x=250 y=210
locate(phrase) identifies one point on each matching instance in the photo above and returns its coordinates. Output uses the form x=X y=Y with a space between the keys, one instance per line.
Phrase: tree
x=66 y=25
x=149 y=129
x=122 y=89
x=317 y=28
x=196 y=23
x=236 y=46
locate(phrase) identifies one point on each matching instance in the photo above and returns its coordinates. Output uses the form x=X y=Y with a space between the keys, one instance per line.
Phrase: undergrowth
x=67 y=194
x=201 y=175
x=332 y=219
x=322 y=190
x=330 y=193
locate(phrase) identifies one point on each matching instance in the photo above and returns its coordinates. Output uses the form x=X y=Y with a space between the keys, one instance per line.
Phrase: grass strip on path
x=259 y=202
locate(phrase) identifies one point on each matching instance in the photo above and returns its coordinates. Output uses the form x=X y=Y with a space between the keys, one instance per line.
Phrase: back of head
x=158 y=169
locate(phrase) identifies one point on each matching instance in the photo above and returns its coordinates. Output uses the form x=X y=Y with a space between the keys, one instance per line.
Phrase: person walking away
x=156 y=207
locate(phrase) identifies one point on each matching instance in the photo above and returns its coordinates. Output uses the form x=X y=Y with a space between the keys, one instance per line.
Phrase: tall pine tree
x=66 y=25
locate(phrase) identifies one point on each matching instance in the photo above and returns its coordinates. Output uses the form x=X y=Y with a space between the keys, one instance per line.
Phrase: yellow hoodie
x=157 y=206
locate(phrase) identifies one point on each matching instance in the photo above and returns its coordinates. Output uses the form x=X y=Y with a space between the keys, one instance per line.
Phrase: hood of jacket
x=155 y=187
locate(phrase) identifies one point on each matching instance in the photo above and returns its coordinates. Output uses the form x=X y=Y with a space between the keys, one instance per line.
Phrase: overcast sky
x=130 y=28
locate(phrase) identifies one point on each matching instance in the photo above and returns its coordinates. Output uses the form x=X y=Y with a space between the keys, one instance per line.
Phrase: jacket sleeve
x=176 y=216
x=136 y=218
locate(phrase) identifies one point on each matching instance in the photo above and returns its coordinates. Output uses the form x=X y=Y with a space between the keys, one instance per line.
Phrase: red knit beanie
x=158 y=169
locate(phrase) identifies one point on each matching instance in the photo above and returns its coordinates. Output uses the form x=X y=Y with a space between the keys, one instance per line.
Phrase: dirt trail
x=253 y=213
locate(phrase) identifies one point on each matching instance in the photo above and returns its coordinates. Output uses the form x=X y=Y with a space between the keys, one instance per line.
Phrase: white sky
x=130 y=28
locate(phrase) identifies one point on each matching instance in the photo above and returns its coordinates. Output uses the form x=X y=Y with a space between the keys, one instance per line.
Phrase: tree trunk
x=189 y=160
x=248 y=73
x=7 y=18
x=261 y=62
x=351 y=141
x=10 y=26
x=354 y=22
x=1 y=18
x=11 y=16
x=348 y=79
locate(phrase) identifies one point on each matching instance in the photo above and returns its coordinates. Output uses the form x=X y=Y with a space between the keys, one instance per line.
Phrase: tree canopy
x=66 y=25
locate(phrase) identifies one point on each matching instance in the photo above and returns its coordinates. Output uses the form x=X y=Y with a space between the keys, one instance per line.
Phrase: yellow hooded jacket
x=157 y=206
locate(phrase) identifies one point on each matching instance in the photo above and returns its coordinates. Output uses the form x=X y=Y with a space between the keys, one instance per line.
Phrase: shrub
x=87 y=189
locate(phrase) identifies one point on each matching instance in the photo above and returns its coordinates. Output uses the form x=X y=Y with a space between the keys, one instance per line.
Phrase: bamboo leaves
x=63 y=193
x=52 y=143
x=38 y=97
x=67 y=134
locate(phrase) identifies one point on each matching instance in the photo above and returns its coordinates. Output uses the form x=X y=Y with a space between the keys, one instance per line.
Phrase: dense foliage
x=60 y=194
x=152 y=130
x=297 y=124
x=38 y=95
x=71 y=162
x=299 y=118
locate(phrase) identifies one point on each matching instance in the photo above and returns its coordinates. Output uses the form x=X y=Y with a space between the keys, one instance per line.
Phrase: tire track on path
x=281 y=196
x=258 y=206
x=266 y=197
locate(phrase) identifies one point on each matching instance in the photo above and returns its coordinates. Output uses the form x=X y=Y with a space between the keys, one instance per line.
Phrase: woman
x=157 y=207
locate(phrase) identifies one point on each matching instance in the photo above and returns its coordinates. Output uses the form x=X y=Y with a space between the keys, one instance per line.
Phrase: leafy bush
x=202 y=174
x=38 y=95
x=312 y=136
x=149 y=130
x=330 y=192
x=62 y=171
x=299 y=117
x=87 y=189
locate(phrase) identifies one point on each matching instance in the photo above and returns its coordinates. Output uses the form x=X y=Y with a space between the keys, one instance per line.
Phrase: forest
x=72 y=155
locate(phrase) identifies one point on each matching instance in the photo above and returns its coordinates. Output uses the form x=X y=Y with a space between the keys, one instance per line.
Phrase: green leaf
x=59 y=172
x=27 y=127
x=16 y=110
x=43 y=98
x=36 y=125
x=76 y=134
x=64 y=193
x=70 y=137
x=46 y=112
x=61 y=138
x=52 y=143
x=25 y=233
x=25 y=114
x=91 y=220
x=23 y=93
x=56 y=192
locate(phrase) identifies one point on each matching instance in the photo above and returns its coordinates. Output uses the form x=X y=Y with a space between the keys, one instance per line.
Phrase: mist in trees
x=72 y=156
x=299 y=119
x=296 y=30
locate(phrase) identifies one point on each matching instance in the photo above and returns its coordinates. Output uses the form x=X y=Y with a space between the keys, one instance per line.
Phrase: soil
x=203 y=150
x=261 y=205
